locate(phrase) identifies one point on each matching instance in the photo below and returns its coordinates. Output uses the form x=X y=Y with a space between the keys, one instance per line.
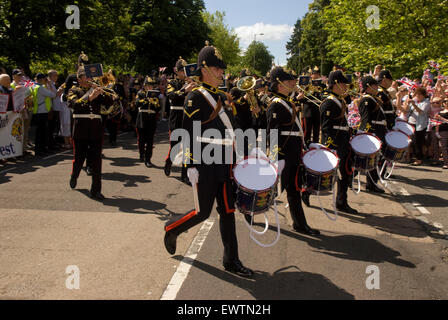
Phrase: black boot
x=167 y=168
x=346 y=209
x=374 y=188
x=170 y=242
x=238 y=269
x=73 y=182
x=307 y=230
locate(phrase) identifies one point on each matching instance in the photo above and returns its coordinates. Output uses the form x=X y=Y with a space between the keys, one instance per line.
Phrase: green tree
x=34 y=34
x=223 y=37
x=258 y=58
x=163 y=30
x=293 y=48
x=308 y=43
x=409 y=34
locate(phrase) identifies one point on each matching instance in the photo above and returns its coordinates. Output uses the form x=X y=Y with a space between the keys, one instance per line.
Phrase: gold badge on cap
x=218 y=54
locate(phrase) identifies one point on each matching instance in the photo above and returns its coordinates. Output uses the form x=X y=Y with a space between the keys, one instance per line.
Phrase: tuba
x=247 y=84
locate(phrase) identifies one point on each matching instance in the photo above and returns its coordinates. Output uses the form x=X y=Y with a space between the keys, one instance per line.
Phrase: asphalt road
x=116 y=246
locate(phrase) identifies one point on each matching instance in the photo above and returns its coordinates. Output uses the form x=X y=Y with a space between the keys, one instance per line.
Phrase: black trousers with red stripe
x=292 y=181
x=213 y=185
x=345 y=170
x=91 y=149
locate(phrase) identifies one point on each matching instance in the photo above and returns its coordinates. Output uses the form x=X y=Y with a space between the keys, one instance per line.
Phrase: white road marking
x=7 y=170
x=184 y=266
x=57 y=154
x=438 y=225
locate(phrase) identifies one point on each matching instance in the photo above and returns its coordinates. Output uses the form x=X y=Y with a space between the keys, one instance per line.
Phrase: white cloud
x=270 y=32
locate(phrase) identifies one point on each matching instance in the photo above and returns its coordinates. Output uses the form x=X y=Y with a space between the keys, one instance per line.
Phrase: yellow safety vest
x=36 y=106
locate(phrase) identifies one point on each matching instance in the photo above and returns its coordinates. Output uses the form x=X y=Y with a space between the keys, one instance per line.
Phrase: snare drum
x=256 y=180
x=320 y=169
x=396 y=145
x=403 y=126
x=366 y=147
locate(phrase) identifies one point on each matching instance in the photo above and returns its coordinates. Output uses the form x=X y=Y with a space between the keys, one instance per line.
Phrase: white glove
x=193 y=175
x=438 y=135
x=281 y=166
x=258 y=152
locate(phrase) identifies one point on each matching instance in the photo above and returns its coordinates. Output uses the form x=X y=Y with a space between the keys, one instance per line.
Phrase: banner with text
x=11 y=135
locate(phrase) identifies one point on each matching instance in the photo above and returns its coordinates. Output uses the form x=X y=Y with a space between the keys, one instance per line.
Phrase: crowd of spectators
x=47 y=119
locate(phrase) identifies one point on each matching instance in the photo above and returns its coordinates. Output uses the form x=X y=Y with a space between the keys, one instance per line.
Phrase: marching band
x=308 y=116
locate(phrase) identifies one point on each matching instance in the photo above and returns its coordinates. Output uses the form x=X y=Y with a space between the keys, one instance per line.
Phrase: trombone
x=307 y=91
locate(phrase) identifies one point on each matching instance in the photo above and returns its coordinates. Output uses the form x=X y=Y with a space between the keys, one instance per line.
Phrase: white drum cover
x=320 y=160
x=255 y=174
x=397 y=139
x=404 y=127
x=316 y=145
x=365 y=144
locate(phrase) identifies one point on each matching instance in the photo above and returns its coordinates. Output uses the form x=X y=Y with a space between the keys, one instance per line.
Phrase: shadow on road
x=31 y=164
x=127 y=179
x=422 y=169
x=402 y=226
x=123 y=162
x=350 y=247
x=288 y=283
x=431 y=184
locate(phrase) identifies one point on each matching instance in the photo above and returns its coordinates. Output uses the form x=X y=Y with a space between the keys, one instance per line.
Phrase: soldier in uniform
x=86 y=99
x=373 y=120
x=242 y=109
x=148 y=105
x=310 y=115
x=137 y=86
x=385 y=81
x=177 y=92
x=336 y=134
x=259 y=120
x=205 y=105
x=282 y=116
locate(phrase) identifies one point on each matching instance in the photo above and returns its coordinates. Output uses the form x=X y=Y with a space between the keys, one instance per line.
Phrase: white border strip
x=184 y=266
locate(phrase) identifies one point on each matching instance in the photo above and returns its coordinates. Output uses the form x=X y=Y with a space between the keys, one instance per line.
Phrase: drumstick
x=196 y=197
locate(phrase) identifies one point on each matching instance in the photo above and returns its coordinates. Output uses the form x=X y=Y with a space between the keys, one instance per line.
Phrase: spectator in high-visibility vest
x=42 y=104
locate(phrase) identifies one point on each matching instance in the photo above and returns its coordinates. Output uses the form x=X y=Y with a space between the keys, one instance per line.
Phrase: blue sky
x=274 y=18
